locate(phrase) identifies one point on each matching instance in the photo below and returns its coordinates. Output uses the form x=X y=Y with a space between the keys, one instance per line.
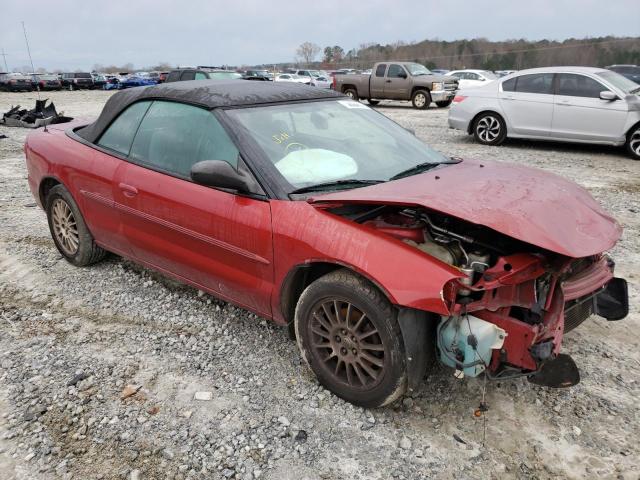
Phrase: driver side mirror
x=608 y=95
x=217 y=173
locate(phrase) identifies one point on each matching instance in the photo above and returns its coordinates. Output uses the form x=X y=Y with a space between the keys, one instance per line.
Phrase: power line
x=4 y=56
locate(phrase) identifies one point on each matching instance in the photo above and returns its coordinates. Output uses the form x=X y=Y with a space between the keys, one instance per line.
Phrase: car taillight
x=13 y=81
x=42 y=83
x=458 y=98
x=334 y=82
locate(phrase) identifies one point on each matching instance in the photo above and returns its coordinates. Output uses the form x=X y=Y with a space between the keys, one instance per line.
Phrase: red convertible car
x=316 y=211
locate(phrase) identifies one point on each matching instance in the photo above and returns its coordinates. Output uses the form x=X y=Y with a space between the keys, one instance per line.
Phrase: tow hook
x=561 y=372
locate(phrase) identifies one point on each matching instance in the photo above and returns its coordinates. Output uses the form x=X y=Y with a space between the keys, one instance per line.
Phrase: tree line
x=480 y=53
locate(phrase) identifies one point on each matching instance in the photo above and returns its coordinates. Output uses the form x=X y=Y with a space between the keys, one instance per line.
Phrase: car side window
x=173 y=136
x=535 y=83
x=396 y=71
x=380 y=69
x=188 y=76
x=173 y=77
x=118 y=137
x=201 y=76
x=574 y=85
x=472 y=76
x=509 y=85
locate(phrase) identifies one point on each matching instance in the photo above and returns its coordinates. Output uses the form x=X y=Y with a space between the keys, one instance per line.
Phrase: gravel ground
x=114 y=372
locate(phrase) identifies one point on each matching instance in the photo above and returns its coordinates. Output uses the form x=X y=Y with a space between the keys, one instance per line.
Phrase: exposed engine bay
x=507 y=306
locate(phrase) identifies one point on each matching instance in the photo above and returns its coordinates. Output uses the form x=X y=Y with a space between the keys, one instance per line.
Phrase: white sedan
x=321 y=82
x=472 y=78
x=574 y=104
x=292 y=77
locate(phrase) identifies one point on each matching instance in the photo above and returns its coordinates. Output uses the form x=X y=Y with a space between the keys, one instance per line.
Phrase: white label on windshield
x=352 y=104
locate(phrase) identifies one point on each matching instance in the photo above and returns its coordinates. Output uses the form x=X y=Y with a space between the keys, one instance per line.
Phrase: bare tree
x=308 y=51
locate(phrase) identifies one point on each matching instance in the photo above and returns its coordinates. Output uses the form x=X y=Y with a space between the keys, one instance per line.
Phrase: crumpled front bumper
x=442 y=95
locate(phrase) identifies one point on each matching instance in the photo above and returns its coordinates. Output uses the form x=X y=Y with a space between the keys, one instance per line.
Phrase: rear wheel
x=351 y=93
x=69 y=231
x=421 y=99
x=633 y=143
x=489 y=129
x=444 y=103
x=348 y=333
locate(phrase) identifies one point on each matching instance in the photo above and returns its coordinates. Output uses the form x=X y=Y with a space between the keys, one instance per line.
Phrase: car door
x=97 y=174
x=580 y=114
x=215 y=239
x=398 y=83
x=527 y=102
x=377 y=82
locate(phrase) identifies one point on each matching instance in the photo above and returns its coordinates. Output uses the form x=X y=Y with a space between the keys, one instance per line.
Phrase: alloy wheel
x=488 y=128
x=65 y=227
x=347 y=344
x=420 y=100
x=634 y=142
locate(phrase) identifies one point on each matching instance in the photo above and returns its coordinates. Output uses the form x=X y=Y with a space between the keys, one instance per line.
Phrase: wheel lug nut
x=338 y=339
x=343 y=351
x=354 y=351
x=343 y=331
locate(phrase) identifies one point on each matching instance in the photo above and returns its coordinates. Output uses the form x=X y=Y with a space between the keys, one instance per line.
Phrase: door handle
x=128 y=190
x=387 y=81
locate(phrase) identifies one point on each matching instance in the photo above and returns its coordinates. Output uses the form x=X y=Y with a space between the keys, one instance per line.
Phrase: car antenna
x=33 y=70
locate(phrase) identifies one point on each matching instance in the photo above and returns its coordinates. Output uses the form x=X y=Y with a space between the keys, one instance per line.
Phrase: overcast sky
x=71 y=34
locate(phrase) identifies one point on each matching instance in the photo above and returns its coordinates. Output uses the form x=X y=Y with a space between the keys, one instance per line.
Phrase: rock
x=405 y=443
x=129 y=391
x=576 y=431
x=203 y=396
x=284 y=421
x=77 y=378
x=301 y=436
x=134 y=475
x=29 y=456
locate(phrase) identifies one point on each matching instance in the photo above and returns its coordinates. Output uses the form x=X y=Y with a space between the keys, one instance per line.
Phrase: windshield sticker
x=280 y=137
x=352 y=104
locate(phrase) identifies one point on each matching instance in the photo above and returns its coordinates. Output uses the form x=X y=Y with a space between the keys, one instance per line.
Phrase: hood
x=524 y=203
x=436 y=78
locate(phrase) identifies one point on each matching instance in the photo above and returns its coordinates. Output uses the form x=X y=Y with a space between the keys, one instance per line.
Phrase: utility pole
x=4 y=57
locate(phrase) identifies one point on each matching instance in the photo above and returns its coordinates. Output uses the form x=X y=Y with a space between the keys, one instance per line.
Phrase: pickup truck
x=399 y=81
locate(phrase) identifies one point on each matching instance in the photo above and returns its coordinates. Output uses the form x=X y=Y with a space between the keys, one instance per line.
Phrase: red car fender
x=304 y=234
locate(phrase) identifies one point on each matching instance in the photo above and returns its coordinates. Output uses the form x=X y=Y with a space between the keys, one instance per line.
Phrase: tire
x=352 y=93
x=633 y=142
x=360 y=357
x=489 y=129
x=373 y=102
x=421 y=99
x=444 y=103
x=76 y=245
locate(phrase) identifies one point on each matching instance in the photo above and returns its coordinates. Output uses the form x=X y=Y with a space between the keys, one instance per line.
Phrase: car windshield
x=332 y=141
x=416 y=69
x=619 y=81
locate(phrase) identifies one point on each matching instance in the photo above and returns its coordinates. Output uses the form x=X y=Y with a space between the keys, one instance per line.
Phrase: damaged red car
x=316 y=211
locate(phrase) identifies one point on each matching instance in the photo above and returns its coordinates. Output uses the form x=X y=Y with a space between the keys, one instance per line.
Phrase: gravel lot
x=75 y=342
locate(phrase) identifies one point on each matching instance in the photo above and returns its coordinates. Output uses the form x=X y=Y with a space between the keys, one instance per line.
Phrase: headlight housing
x=437 y=86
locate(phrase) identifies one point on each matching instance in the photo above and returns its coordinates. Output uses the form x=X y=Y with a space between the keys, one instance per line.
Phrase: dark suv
x=183 y=74
x=76 y=81
x=13 y=82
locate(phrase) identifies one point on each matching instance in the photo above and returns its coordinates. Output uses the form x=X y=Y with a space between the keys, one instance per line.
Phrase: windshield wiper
x=319 y=187
x=422 y=167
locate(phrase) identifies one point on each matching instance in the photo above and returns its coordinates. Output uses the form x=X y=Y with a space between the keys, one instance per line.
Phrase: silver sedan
x=575 y=104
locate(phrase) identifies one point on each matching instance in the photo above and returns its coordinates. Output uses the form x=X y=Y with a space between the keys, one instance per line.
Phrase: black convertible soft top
x=207 y=94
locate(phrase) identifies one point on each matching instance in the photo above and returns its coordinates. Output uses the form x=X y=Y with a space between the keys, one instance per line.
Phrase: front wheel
x=351 y=93
x=348 y=333
x=489 y=129
x=633 y=143
x=444 y=103
x=69 y=230
x=421 y=99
